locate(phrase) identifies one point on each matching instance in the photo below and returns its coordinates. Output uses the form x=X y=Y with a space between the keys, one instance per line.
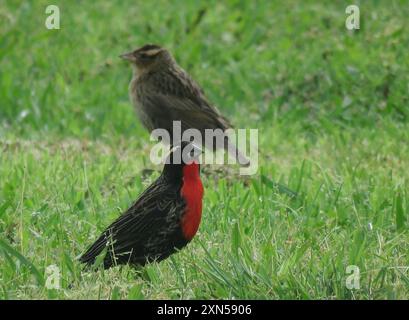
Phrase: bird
x=162 y=92
x=163 y=220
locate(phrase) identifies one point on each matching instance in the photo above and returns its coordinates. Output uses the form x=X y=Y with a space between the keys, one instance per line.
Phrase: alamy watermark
x=352 y=21
x=239 y=146
x=53 y=276
x=53 y=19
x=353 y=277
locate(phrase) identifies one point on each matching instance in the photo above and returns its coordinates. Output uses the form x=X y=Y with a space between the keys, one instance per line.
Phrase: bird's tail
x=90 y=256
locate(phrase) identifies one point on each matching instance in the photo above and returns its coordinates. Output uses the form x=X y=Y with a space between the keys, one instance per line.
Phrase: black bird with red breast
x=162 y=221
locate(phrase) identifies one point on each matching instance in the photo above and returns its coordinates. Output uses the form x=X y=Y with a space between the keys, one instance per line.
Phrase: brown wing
x=175 y=96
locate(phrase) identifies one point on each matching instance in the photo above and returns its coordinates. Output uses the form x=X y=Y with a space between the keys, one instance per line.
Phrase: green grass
x=332 y=111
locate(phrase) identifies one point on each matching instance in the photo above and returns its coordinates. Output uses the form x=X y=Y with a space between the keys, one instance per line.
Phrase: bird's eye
x=145 y=56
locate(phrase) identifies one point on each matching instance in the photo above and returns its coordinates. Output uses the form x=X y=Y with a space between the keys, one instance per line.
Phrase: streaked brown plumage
x=162 y=92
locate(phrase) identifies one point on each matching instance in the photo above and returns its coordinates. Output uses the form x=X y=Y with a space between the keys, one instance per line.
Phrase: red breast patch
x=192 y=192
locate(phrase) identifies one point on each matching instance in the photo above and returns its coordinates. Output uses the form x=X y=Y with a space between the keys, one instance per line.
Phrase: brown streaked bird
x=162 y=221
x=162 y=92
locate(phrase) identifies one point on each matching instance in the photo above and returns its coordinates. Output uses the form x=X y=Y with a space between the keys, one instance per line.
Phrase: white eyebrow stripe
x=152 y=52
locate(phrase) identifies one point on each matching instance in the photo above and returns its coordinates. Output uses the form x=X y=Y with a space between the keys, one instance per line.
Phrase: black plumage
x=150 y=230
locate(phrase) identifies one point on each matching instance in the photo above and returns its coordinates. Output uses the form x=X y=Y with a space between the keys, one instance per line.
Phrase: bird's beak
x=129 y=56
x=197 y=152
x=191 y=154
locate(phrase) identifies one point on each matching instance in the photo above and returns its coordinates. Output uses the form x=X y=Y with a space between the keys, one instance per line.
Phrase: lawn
x=331 y=107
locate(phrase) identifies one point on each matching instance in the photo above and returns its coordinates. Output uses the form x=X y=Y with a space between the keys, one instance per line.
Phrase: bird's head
x=183 y=160
x=148 y=57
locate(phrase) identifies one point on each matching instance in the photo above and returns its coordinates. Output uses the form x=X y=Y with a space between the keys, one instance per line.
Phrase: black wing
x=149 y=230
